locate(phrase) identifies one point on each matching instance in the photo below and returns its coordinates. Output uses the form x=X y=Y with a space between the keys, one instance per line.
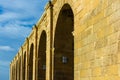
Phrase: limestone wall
x=96 y=41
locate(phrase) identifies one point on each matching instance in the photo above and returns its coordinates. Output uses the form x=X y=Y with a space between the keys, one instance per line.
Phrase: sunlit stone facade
x=73 y=40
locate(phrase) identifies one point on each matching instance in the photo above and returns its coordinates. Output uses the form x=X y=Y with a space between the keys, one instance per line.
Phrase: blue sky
x=16 y=20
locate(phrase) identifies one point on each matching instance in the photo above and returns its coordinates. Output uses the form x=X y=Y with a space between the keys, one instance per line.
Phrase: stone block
x=113 y=38
x=114 y=17
x=101 y=43
x=113 y=59
x=96 y=71
x=100 y=25
x=86 y=33
x=106 y=60
x=112 y=70
x=113 y=48
x=85 y=73
x=116 y=26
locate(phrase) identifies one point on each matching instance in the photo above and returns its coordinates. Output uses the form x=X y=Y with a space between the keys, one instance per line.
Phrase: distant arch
x=31 y=62
x=16 y=69
x=42 y=57
x=24 y=65
x=20 y=68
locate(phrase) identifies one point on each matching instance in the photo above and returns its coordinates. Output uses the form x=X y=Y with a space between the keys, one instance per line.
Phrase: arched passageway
x=20 y=69
x=42 y=57
x=16 y=69
x=24 y=65
x=64 y=45
x=31 y=62
x=13 y=72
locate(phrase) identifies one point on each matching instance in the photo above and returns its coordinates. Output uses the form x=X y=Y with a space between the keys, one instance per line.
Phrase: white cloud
x=8 y=16
x=17 y=15
x=21 y=9
x=12 y=30
x=6 y=48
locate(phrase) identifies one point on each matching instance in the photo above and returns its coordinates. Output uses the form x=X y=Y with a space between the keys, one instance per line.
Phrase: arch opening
x=17 y=71
x=31 y=62
x=20 y=69
x=13 y=69
x=64 y=45
x=24 y=65
x=42 y=57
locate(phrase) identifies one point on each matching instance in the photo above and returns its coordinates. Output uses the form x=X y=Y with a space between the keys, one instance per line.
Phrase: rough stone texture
x=96 y=41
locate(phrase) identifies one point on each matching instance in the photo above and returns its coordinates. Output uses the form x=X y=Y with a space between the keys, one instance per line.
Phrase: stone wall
x=96 y=42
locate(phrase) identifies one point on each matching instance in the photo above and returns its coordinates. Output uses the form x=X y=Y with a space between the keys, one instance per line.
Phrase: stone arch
x=64 y=45
x=15 y=72
x=42 y=56
x=17 y=65
x=58 y=10
x=20 y=68
x=13 y=68
x=31 y=62
x=24 y=65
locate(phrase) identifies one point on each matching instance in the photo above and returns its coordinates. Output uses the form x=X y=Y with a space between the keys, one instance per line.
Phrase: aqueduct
x=73 y=40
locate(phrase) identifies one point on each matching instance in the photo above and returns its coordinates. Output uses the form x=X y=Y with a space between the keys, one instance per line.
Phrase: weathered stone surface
x=101 y=43
x=96 y=48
